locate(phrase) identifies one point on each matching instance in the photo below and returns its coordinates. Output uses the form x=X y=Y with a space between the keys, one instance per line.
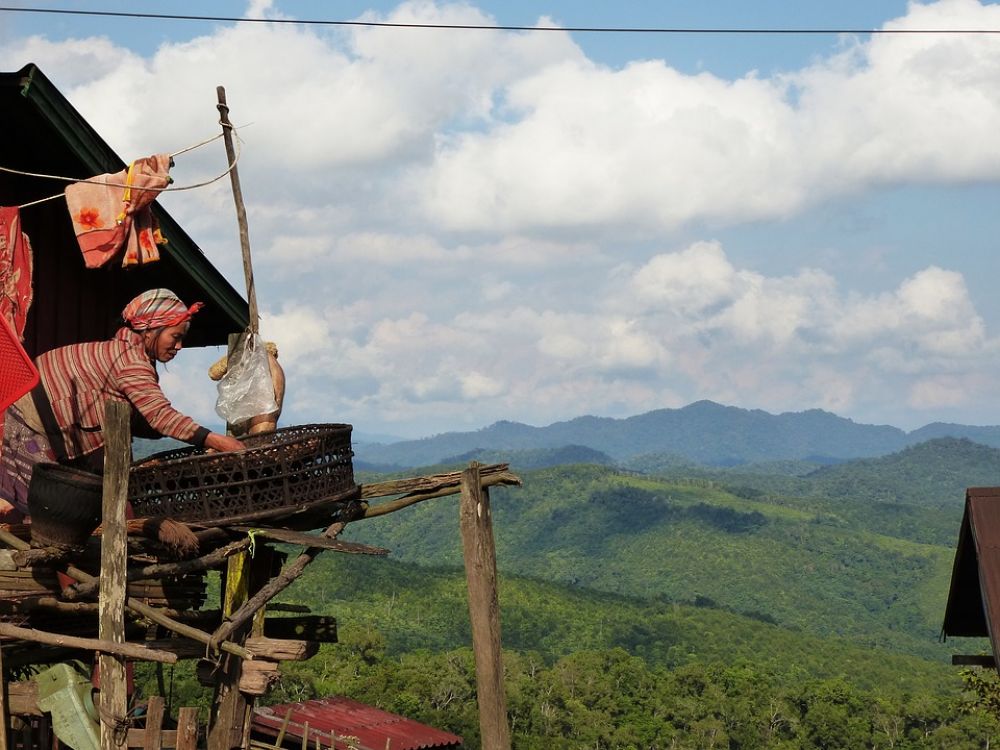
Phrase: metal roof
x=45 y=134
x=374 y=728
x=974 y=598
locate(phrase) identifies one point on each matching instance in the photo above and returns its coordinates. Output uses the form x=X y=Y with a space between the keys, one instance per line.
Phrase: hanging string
x=232 y=165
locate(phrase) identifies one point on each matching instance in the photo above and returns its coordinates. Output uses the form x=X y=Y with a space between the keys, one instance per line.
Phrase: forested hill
x=704 y=432
x=850 y=567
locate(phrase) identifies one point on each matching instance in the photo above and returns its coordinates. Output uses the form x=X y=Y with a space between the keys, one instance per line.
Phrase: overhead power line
x=483 y=27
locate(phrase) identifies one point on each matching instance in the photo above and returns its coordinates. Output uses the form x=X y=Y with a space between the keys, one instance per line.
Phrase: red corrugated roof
x=374 y=728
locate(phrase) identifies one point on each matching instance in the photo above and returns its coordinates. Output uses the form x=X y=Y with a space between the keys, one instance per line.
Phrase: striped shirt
x=78 y=378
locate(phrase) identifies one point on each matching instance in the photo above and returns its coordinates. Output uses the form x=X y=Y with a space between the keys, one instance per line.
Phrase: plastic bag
x=246 y=390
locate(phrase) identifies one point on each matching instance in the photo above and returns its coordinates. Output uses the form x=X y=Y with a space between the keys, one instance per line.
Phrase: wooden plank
x=22 y=698
x=479 y=553
x=187 y=729
x=137 y=738
x=973 y=660
x=280 y=649
x=114 y=557
x=152 y=737
x=317 y=628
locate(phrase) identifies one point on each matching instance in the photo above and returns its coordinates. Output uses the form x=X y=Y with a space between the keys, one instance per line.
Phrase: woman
x=61 y=419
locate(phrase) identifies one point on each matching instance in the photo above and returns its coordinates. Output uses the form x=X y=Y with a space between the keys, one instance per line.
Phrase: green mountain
x=801 y=562
x=703 y=432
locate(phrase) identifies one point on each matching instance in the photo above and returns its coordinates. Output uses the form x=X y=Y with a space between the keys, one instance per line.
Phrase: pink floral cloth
x=15 y=270
x=112 y=211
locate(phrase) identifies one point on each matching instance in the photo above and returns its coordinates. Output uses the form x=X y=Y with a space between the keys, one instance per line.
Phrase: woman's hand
x=217 y=442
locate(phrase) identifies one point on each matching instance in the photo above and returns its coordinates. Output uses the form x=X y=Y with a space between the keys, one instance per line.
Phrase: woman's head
x=162 y=320
x=162 y=344
x=157 y=308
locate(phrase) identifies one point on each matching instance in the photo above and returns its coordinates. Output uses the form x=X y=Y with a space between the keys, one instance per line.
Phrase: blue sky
x=453 y=227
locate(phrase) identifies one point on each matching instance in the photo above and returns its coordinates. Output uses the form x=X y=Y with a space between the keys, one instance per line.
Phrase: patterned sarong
x=22 y=449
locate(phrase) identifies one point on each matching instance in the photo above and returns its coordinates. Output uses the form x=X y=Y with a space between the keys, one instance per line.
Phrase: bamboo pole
x=241 y=212
x=114 y=555
x=479 y=553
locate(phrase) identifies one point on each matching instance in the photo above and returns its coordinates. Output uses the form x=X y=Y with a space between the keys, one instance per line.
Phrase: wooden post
x=230 y=719
x=478 y=549
x=187 y=729
x=241 y=212
x=153 y=739
x=114 y=557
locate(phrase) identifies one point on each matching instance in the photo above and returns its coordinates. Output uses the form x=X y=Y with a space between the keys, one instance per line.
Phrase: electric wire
x=485 y=27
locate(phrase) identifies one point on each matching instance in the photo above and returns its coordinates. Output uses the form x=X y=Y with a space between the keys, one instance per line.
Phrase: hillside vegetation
x=868 y=571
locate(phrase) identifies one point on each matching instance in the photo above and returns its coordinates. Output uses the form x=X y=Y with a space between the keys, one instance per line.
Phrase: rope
x=229 y=169
x=119 y=727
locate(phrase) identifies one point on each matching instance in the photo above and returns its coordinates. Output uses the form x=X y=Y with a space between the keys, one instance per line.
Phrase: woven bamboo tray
x=294 y=476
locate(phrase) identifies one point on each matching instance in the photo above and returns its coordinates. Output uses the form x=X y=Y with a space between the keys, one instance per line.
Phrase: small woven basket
x=291 y=471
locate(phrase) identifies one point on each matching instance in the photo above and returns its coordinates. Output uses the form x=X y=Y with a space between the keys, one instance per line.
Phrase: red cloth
x=157 y=308
x=15 y=270
x=112 y=211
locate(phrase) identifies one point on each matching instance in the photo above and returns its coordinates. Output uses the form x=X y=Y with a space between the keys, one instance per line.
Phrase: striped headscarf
x=157 y=308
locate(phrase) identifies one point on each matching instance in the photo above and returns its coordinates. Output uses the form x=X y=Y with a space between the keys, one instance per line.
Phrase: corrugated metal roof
x=374 y=728
x=974 y=598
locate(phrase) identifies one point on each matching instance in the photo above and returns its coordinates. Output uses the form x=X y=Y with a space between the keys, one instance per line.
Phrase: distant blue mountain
x=704 y=432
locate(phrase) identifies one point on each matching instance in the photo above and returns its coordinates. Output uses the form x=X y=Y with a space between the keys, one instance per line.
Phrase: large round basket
x=294 y=476
x=64 y=504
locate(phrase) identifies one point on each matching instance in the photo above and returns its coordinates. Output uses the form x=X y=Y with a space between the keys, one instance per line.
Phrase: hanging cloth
x=112 y=212
x=15 y=270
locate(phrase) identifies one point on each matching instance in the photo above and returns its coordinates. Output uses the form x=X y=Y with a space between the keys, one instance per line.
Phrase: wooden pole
x=114 y=557
x=229 y=725
x=479 y=552
x=119 y=648
x=241 y=212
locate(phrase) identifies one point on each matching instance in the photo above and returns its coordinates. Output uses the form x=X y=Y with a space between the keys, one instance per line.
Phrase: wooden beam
x=439 y=484
x=114 y=557
x=479 y=553
x=280 y=649
x=319 y=541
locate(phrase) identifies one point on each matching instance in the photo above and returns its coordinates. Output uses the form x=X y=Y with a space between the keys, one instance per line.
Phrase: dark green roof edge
x=98 y=156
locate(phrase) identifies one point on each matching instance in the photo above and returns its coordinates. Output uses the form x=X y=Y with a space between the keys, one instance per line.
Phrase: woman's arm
x=218 y=442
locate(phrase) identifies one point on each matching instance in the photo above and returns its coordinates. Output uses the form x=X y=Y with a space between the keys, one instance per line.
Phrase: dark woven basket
x=64 y=505
x=293 y=471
